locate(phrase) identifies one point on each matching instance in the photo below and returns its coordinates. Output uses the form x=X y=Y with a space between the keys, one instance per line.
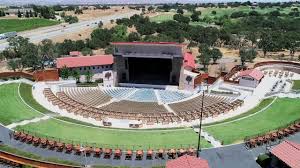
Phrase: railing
x=111 y=146
x=31 y=162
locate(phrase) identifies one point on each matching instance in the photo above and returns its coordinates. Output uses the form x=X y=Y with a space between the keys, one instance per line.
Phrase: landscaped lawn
x=105 y=137
x=282 y=112
x=26 y=94
x=296 y=85
x=8 y=25
x=12 y=109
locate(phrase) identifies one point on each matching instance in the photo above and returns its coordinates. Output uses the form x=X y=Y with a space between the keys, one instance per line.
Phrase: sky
x=53 y=2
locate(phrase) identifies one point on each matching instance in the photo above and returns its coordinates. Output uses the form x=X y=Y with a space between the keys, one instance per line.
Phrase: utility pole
x=200 y=122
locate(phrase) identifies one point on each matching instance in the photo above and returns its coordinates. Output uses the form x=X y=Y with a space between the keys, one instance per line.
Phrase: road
x=59 y=30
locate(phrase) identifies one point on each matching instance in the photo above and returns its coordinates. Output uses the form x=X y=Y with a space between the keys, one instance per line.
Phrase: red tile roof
x=189 y=60
x=83 y=61
x=288 y=152
x=187 y=161
x=254 y=73
x=148 y=43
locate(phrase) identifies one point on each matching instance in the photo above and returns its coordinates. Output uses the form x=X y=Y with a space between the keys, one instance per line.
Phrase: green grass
x=206 y=12
x=8 y=25
x=282 y=112
x=34 y=156
x=261 y=105
x=296 y=85
x=113 y=138
x=12 y=108
x=26 y=94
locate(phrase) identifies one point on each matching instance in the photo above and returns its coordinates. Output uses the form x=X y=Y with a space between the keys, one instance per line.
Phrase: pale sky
x=53 y=2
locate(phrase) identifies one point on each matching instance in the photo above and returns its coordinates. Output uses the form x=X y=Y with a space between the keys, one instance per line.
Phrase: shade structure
x=288 y=152
x=187 y=161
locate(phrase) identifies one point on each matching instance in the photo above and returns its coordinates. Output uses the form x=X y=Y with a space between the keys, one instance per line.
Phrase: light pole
x=200 y=123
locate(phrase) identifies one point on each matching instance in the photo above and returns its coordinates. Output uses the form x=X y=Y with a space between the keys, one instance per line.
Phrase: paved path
x=24 y=122
x=209 y=138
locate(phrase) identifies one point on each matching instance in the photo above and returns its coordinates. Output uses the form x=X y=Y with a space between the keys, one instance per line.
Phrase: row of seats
x=272 y=136
x=196 y=103
x=87 y=95
x=145 y=95
x=72 y=106
x=148 y=112
x=210 y=111
x=135 y=107
x=107 y=153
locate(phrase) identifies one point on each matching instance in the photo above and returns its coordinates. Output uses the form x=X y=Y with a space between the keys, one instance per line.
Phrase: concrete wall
x=248 y=82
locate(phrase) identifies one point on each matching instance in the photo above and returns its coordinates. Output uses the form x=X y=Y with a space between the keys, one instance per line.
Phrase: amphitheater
x=145 y=127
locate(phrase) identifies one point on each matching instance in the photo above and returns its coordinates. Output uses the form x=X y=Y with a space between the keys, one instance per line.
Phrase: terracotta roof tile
x=288 y=152
x=187 y=161
x=254 y=73
x=83 y=61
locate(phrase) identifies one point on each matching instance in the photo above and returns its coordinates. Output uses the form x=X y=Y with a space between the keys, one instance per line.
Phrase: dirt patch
x=81 y=35
x=91 y=14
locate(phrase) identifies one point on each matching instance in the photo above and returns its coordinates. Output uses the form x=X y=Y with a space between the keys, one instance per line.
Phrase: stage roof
x=84 y=61
x=149 y=43
x=254 y=73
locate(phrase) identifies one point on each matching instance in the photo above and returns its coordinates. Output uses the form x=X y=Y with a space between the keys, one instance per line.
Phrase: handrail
x=32 y=162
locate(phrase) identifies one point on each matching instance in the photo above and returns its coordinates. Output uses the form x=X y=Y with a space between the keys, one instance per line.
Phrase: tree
x=78 y=11
x=119 y=33
x=180 y=11
x=213 y=12
x=265 y=42
x=88 y=76
x=133 y=36
x=253 y=13
x=101 y=37
x=76 y=75
x=13 y=64
x=274 y=13
x=247 y=55
x=146 y=28
x=205 y=57
x=46 y=52
x=65 y=72
x=252 y=36
x=215 y=54
x=87 y=51
x=238 y=14
x=26 y=14
x=180 y=18
x=100 y=24
x=291 y=43
x=243 y=56
x=195 y=17
x=19 y=14
x=150 y=8
x=30 y=14
x=112 y=21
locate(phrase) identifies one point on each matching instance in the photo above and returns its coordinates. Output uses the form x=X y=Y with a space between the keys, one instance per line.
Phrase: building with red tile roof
x=97 y=64
x=187 y=161
x=84 y=61
x=250 y=78
x=288 y=152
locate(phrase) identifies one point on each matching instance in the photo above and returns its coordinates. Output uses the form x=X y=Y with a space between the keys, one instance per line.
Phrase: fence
x=110 y=146
x=7 y=75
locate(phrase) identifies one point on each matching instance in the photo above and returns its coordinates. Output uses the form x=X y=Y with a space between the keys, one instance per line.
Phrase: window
x=80 y=68
x=84 y=68
x=126 y=64
x=94 y=67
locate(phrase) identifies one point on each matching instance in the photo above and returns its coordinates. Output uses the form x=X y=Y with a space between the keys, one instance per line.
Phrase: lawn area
x=12 y=109
x=282 y=112
x=26 y=94
x=8 y=25
x=206 y=12
x=296 y=85
x=115 y=138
